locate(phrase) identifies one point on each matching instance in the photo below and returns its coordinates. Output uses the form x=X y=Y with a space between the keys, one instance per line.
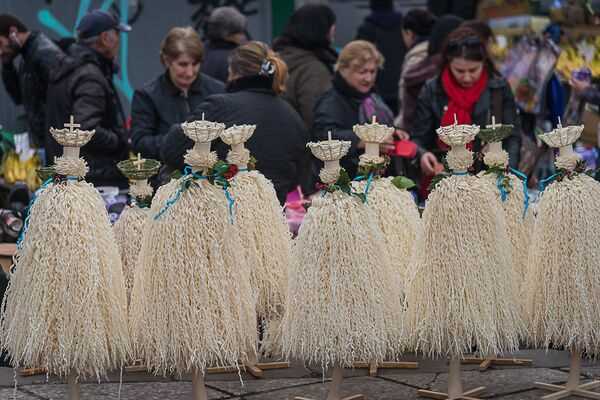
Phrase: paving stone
x=502 y=381
x=129 y=391
x=260 y=386
x=373 y=388
x=416 y=380
x=10 y=394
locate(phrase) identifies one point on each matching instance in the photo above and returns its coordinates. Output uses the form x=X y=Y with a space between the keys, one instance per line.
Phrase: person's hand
x=387 y=146
x=401 y=134
x=579 y=86
x=429 y=164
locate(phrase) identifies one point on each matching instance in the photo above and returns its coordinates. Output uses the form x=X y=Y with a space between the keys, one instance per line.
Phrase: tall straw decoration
x=563 y=277
x=192 y=305
x=339 y=283
x=66 y=307
x=460 y=294
x=129 y=227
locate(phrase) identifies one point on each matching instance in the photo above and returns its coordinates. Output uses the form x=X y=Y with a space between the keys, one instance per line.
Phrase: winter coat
x=82 y=86
x=309 y=77
x=407 y=98
x=384 y=30
x=216 y=59
x=159 y=105
x=28 y=83
x=431 y=106
x=278 y=143
x=338 y=111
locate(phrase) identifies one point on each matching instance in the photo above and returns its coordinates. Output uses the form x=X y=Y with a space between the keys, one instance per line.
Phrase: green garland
x=503 y=178
x=343 y=184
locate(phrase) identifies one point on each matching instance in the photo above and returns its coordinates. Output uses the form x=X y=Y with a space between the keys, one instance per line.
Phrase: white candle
x=328 y=135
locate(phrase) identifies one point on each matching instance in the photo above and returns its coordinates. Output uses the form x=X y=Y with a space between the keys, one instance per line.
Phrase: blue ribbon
x=369 y=179
x=503 y=192
x=545 y=182
x=28 y=211
x=524 y=180
x=187 y=175
x=460 y=173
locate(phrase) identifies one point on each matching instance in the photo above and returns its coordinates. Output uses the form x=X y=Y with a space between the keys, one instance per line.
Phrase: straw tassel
x=66 y=307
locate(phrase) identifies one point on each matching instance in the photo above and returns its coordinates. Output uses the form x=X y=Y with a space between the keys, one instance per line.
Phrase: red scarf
x=461 y=100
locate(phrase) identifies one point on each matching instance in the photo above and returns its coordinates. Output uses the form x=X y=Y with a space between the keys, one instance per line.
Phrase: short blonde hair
x=180 y=41
x=358 y=53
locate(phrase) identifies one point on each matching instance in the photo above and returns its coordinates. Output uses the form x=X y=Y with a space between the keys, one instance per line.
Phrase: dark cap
x=97 y=21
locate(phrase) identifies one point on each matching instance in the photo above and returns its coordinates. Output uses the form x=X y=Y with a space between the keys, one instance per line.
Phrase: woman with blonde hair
x=169 y=99
x=257 y=78
x=352 y=101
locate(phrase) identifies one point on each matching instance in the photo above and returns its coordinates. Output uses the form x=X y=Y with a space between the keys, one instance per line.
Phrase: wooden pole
x=455 y=390
x=336 y=381
x=574 y=370
x=198 y=388
x=74 y=389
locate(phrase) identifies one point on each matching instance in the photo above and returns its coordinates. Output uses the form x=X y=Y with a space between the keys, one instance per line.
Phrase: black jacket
x=337 y=111
x=28 y=83
x=216 y=58
x=278 y=143
x=384 y=30
x=159 y=105
x=433 y=100
x=83 y=87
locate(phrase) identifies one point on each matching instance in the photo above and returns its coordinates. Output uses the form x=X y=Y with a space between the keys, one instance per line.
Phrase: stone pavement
x=505 y=383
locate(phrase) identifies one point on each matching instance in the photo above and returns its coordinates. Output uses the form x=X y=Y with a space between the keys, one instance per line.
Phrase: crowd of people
x=414 y=71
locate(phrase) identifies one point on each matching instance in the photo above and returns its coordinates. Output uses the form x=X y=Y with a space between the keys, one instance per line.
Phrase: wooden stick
x=32 y=371
x=74 y=388
x=198 y=388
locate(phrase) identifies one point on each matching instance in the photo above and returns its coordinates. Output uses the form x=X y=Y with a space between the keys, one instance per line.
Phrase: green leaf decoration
x=403 y=183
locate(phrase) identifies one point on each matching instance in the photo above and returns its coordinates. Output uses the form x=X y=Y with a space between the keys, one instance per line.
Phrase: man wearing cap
x=83 y=87
x=26 y=82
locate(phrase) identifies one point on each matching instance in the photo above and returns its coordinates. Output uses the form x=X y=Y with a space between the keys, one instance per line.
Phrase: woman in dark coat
x=352 y=100
x=256 y=82
x=305 y=46
x=469 y=87
x=170 y=98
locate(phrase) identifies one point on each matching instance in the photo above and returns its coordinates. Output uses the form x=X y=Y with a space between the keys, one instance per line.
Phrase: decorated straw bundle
x=129 y=227
x=340 y=279
x=460 y=293
x=66 y=305
x=192 y=305
x=563 y=280
x=262 y=227
x=512 y=192
x=396 y=211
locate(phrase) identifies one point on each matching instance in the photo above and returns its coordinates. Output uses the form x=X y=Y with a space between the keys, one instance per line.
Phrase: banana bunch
x=571 y=58
x=14 y=170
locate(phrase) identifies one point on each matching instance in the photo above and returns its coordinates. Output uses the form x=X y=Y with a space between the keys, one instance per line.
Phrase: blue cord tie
x=28 y=211
x=501 y=188
x=545 y=182
x=189 y=175
x=369 y=179
x=524 y=181
x=460 y=173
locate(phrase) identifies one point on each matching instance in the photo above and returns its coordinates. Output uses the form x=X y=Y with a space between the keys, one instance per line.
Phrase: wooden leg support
x=32 y=371
x=254 y=368
x=74 y=388
x=198 y=388
x=455 y=390
x=374 y=367
x=486 y=363
x=334 y=388
x=573 y=386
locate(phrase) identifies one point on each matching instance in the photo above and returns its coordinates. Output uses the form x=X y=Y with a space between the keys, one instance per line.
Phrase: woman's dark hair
x=308 y=27
x=466 y=43
x=442 y=27
x=482 y=28
x=7 y=21
x=418 y=21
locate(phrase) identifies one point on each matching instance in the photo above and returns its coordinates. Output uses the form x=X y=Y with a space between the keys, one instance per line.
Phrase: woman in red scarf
x=468 y=89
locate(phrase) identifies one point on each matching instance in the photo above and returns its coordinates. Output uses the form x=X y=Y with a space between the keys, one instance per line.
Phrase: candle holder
x=563 y=139
x=373 y=135
x=202 y=133
x=330 y=152
x=236 y=136
x=457 y=136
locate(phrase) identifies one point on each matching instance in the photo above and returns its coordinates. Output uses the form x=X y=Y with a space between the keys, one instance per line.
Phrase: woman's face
x=183 y=71
x=361 y=78
x=466 y=72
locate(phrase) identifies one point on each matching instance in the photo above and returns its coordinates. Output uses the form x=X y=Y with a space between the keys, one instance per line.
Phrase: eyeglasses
x=471 y=42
